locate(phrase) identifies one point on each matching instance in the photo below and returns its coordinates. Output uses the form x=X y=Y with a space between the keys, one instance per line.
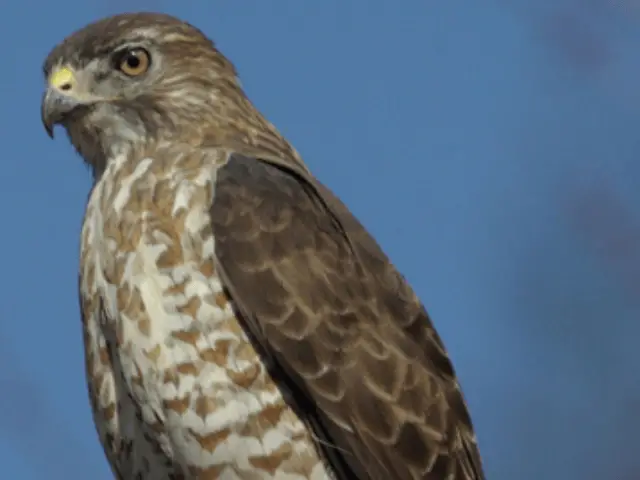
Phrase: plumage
x=239 y=322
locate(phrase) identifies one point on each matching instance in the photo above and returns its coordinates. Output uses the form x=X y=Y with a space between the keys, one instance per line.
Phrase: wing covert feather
x=347 y=339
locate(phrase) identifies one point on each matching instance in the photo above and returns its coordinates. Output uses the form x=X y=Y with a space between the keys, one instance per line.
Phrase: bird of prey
x=239 y=322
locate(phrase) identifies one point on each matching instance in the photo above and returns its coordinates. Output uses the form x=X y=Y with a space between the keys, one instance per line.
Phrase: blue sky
x=491 y=149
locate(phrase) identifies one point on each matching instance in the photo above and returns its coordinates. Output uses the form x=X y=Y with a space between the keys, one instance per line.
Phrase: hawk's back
x=173 y=379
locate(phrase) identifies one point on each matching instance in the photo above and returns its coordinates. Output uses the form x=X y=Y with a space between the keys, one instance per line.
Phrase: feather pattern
x=239 y=322
x=347 y=337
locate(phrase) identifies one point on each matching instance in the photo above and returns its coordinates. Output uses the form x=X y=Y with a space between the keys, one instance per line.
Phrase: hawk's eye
x=133 y=62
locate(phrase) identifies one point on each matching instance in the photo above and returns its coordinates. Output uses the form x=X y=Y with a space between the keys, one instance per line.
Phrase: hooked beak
x=60 y=98
x=56 y=105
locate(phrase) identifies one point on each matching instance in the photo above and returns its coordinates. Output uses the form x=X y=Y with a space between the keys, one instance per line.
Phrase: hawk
x=239 y=322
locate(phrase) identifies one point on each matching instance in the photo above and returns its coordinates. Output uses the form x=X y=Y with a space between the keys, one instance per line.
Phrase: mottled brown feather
x=349 y=341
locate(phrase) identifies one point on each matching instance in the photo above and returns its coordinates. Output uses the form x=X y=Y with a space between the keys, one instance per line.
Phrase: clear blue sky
x=494 y=152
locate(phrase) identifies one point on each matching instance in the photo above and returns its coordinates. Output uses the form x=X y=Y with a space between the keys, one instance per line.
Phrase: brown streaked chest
x=183 y=359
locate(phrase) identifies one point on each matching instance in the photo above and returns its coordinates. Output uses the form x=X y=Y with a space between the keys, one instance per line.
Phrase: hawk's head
x=136 y=78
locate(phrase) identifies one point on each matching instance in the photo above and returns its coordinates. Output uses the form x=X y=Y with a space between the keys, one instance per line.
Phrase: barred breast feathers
x=185 y=360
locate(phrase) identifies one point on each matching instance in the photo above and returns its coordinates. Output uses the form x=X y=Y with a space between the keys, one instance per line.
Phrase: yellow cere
x=61 y=78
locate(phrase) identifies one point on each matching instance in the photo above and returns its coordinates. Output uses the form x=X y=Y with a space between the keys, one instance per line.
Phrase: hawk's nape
x=239 y=322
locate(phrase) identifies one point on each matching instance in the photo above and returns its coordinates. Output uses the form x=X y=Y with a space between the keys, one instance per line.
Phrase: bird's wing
x=342 y=332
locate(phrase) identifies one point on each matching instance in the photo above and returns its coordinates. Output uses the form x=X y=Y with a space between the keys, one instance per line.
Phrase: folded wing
x=344 y=335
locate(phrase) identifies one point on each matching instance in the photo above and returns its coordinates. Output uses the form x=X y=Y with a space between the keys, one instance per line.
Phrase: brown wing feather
x=345 y=336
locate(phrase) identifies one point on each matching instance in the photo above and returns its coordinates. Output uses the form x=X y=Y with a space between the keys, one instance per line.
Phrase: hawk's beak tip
x=48 y=113
x=48 y=127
